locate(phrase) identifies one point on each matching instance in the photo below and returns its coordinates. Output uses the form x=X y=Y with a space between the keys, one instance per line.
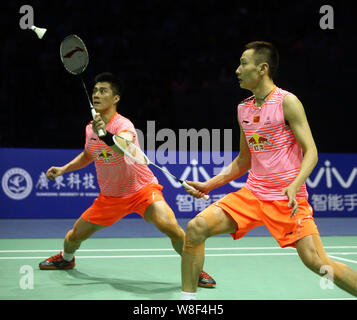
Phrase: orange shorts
x=250 y=212
x=106 y=211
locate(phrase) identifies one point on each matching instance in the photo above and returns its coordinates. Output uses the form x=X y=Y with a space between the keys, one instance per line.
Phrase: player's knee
x=197 y=230
x=195 y=237
x=312 y=260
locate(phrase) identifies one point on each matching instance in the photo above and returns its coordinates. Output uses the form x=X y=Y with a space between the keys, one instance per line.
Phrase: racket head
x=131 y=150
x=74 y=54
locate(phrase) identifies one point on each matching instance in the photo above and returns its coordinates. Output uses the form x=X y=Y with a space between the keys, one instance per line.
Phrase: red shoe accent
x=206 y=281
x=57 y=263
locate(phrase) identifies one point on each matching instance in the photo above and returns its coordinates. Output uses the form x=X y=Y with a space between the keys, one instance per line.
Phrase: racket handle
x=100 y=132
x=93 y=111
x=187 y=186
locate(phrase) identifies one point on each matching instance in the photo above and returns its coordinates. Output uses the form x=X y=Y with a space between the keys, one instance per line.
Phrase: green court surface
x=149 y=269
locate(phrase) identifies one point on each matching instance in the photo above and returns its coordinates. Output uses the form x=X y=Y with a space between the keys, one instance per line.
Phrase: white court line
x=177 y=256
x=166 y=249
x=129 y=250
x=157 y=256
x=86 y=250
x=343 y=259
x=330 y=299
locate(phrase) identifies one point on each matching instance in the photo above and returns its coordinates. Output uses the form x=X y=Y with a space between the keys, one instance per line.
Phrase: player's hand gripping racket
x=74 y=56
x=131 y=150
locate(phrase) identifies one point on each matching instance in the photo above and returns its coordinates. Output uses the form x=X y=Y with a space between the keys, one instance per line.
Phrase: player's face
x=248 y=72
x=103 y=96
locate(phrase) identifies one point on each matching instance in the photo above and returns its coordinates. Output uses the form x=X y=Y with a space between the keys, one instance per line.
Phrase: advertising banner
x=26 y=192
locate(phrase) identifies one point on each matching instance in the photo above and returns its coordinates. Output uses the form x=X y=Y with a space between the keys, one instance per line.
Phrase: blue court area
x=137 y=227
x=133 y=261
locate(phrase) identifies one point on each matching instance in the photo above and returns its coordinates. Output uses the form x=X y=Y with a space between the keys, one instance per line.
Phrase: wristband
x=108 y=139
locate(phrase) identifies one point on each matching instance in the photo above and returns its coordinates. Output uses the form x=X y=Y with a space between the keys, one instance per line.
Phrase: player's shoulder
x=120 y=120
x=89 y=124
x=284 y=93
x=288 y=97
x=120 y=123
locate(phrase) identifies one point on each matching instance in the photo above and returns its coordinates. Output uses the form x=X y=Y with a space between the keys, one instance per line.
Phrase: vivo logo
x=327 y=174
x=198 y=173
x=331 y=175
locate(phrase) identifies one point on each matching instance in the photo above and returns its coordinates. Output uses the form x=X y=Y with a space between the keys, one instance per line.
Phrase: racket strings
x=132 y=152
x=74 y=54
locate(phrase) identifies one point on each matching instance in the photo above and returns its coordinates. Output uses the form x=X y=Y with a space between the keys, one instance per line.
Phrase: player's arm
x=128 y=136
x=98 y=124
x=239 y=166
x=79 y=162
x=294 y=114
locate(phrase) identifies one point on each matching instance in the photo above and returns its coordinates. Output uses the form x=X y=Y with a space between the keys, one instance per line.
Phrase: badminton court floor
x=148 y=269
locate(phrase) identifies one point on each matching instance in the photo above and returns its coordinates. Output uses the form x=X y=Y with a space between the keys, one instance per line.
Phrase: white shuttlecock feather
x=39 y=31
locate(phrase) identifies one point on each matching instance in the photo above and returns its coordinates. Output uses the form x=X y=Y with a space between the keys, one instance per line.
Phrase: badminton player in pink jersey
x=125 y=186
x=277 y=146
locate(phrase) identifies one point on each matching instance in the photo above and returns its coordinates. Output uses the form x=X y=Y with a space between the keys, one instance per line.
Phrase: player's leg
x=81 y=231
x=161 y=215
x=211 y=221
x=313 y=255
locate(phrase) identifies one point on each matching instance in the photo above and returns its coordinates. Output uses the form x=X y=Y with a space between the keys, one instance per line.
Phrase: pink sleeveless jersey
x=117 y=177
x=275 y=153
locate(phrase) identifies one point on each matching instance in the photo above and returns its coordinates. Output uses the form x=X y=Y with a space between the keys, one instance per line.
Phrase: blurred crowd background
x=177 y=60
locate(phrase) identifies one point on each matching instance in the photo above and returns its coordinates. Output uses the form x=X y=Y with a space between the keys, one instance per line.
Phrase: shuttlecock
x=39 y=31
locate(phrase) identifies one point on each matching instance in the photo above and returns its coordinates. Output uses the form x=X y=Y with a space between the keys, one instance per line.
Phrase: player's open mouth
x=96 y=102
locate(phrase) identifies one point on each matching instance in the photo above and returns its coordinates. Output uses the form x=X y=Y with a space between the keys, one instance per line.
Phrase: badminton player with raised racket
x=125 y=186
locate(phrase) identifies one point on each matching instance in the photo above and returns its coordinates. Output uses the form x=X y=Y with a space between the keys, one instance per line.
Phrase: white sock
x=188 y=295
x=67 y=256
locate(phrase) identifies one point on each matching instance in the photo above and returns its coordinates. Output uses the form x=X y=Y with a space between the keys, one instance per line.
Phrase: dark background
x=177 y=60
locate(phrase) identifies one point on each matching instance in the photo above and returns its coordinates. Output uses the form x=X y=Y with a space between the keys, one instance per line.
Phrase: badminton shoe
x=206 y=281
x=57 y=263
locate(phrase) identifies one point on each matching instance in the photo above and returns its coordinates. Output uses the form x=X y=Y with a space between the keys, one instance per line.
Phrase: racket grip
x=100 y=132
x=187 y=186
x=93 y=111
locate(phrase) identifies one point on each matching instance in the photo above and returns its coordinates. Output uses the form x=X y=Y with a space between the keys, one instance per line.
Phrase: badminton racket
x=132 y=151
x=75 y=59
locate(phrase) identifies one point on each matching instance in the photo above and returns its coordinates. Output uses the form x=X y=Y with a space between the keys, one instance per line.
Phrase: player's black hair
x=115 y=83
x=265 y=52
